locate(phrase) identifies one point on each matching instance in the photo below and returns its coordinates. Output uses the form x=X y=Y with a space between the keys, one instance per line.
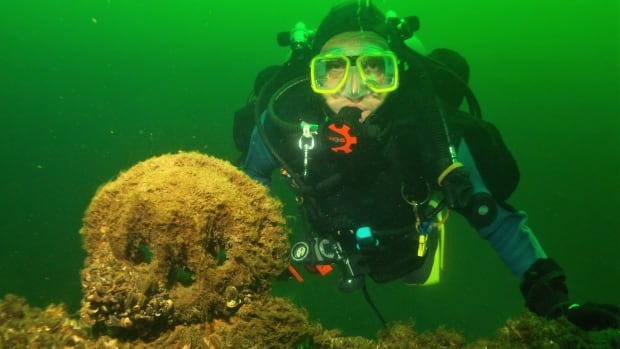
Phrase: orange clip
x=295 y=273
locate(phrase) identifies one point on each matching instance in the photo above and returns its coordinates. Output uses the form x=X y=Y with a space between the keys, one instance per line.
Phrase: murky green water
x=91 y=87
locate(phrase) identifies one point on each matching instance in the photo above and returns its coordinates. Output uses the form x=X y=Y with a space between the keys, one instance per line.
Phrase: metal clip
x=306 y=142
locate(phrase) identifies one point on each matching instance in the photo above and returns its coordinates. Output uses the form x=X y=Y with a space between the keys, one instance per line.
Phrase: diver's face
x=354 y=93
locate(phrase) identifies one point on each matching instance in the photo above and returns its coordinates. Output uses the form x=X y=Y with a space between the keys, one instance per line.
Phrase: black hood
x=350 y=16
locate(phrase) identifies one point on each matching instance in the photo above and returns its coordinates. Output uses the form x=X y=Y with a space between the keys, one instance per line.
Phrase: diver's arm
x=543 y=282
x=507 y=233
x=259 y=163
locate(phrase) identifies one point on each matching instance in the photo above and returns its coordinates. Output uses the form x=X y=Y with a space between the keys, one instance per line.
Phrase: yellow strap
x=447 y=171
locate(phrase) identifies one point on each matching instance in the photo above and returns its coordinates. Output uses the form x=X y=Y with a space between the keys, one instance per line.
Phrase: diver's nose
x=355 y=89
x=355 y=83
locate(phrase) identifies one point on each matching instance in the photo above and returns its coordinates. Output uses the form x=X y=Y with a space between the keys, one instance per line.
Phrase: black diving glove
x=545 y=292
x=593 y=316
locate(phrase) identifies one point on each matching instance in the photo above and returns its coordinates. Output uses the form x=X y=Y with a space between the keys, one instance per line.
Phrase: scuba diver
x=380 y=142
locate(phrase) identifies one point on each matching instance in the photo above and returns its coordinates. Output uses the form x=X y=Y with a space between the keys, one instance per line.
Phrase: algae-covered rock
x=178 y=239
x=276 y=323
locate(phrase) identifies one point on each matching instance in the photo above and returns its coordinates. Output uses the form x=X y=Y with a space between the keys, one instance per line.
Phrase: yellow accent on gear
x=435 y=275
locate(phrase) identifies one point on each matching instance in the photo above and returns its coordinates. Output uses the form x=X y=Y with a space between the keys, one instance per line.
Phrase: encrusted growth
x=172 y=239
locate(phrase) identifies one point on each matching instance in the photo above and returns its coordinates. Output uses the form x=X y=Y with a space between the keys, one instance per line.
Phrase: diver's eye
x=335 y=63
x=373 y=65
x=336 y=74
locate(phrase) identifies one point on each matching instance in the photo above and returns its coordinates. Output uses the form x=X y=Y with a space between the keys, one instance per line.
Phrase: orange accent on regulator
x=346 y=139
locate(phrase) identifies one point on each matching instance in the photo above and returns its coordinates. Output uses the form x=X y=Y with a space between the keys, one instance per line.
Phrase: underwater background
x=91 y=87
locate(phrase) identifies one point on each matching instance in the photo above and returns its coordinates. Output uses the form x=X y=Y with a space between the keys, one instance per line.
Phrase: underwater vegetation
x=181 y=252
x=281 y=325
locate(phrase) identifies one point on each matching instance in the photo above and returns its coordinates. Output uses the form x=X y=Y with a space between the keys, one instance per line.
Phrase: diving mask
x=377 y=71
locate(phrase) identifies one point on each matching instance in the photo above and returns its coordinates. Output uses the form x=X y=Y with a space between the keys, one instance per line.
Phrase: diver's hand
x=593 y=316
x=545 y=292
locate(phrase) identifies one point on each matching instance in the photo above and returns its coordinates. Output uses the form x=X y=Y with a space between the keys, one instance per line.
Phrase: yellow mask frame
x=329 y=72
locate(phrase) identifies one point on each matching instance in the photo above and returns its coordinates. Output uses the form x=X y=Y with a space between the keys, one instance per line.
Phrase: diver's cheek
x=365 y=114
x=335 y=102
